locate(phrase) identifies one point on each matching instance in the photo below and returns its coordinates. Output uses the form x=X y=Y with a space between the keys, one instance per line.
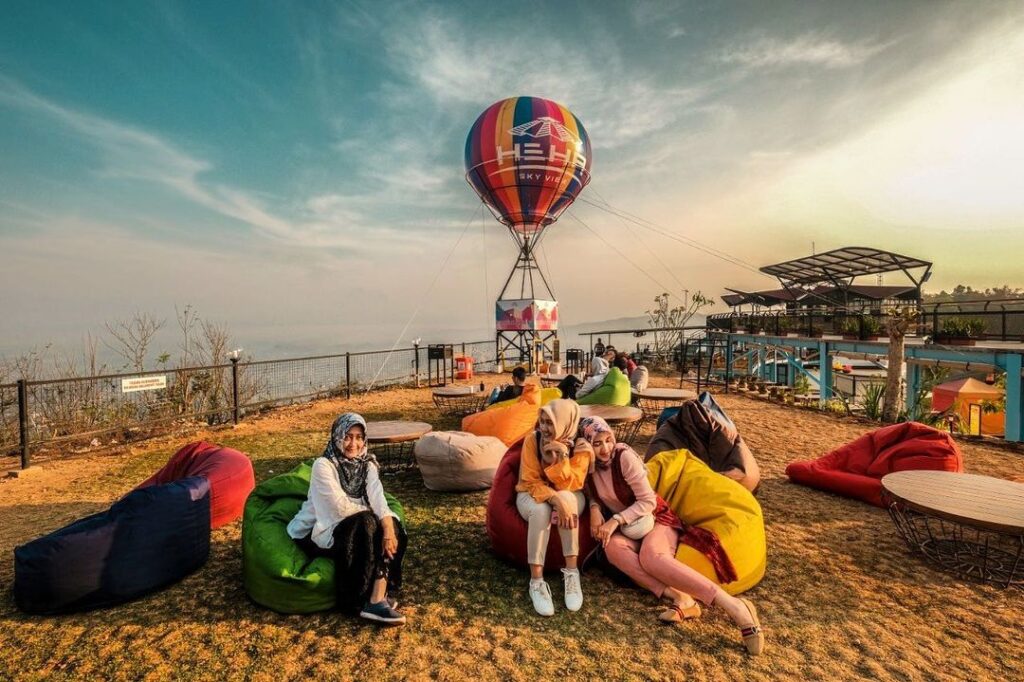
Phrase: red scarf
x=701 y=539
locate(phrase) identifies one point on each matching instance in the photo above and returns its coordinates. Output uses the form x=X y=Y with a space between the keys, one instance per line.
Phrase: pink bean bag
x=856 y=469
x=229 y=472
x=507 y=529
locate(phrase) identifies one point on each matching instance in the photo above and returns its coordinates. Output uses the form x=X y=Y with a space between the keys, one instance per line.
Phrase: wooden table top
x=395 y=431
x=553 y=377
x=680 y=394
x=613 y=414
x=454 y=391
x=991 y=503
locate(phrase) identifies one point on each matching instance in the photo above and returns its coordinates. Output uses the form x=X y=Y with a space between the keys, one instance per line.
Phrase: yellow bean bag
x=711 y=501
x=509 y=422
x=546 y=396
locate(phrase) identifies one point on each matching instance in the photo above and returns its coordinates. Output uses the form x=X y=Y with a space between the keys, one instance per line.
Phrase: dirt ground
x=842 y=598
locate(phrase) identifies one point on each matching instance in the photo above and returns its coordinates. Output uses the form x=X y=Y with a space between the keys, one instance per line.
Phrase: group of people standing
x=567 y=467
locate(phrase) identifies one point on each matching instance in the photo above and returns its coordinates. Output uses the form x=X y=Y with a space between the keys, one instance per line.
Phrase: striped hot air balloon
x=528 y=158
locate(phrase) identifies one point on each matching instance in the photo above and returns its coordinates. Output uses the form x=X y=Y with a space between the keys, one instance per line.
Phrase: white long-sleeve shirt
x=327 y=504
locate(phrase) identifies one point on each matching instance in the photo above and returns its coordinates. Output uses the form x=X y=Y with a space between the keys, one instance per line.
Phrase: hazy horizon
x=298 y=176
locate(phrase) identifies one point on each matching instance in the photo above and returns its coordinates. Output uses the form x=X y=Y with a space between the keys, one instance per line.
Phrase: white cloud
x=813 y=49
x=130 y=153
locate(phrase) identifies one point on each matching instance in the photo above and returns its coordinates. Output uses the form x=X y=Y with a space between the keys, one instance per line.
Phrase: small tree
x=900 y=322
x=664 y=315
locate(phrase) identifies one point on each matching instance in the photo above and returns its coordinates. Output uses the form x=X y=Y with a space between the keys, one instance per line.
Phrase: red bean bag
x=856 y=469
x=507 y=529
x=229 y=472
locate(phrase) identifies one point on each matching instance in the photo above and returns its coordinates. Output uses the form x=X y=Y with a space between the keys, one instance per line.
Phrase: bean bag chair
x=614 y=391
x=856 y=469
x=508 y=422
x=639 y=378
x=228 y=471
x=546 y=396
x=507 y=529
x=667 y=414
x=148 y=539
x=713 y=502
x=456 y=461
x=276 y=572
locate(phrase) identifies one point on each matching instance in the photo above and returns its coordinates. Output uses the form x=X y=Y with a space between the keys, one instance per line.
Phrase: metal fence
x=997 y=320
x=76 y=410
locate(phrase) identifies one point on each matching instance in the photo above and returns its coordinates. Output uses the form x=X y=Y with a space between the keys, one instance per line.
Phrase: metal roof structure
x=841 y=266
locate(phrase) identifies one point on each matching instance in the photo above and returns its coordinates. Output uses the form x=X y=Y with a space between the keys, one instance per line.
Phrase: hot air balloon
x=528 y=159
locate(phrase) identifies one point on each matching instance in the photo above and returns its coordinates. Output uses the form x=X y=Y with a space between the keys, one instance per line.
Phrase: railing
x=76 y=410
x=996 y=320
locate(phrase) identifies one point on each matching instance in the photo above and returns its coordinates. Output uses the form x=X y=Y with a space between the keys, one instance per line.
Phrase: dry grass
x=842 y=598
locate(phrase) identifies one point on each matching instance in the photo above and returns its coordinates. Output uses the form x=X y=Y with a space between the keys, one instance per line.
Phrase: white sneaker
x=540 y=593
x=573 y=591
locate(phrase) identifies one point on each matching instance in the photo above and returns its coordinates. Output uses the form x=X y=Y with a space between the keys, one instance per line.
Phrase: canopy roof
x=845 y=264
x=825 y=292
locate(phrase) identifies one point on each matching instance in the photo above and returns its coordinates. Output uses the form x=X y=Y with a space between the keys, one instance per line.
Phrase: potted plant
x=871 y=327
x=851 y=328
x=961 y=331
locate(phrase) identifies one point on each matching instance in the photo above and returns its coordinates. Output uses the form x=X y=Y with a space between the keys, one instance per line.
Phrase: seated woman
x=551 y=475
x=641 y=534
x=624 y=363
x=598 y=371
x=346 y=518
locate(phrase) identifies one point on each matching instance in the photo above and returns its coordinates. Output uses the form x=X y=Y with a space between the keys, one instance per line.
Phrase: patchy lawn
x=842 y=598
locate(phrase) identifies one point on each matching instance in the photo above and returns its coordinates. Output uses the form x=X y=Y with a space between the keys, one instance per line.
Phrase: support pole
x=1014 y=398
x=23 y=422
x=348 y=375
x=913 y=387
x=234 y=390
x=824 y=371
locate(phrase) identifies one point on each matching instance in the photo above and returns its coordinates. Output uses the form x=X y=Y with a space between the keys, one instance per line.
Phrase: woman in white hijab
x=598 y=372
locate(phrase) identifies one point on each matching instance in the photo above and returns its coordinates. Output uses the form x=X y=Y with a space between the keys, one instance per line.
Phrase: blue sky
x=296 y=168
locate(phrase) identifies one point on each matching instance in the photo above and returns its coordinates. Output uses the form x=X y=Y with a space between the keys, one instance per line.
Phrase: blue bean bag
x=148 y=539
x=712 y=406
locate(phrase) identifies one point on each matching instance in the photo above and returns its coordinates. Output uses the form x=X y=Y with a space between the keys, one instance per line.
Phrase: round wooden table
x=460 y=400
x=968 y=524
x=653 y=400
x=616 y=416
x=392 y=442
x=552 y=379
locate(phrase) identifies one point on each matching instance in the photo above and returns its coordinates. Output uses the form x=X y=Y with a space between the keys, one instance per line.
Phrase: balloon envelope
x=528 y=158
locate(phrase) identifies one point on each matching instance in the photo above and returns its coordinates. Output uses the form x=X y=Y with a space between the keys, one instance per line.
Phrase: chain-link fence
x=126 y=407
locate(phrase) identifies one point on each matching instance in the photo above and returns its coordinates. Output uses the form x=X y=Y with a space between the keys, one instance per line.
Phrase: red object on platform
x=507 y=529
x=229 y=472
x=856 y=469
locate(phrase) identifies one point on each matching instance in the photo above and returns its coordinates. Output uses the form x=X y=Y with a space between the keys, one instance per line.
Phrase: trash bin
x=464 y=367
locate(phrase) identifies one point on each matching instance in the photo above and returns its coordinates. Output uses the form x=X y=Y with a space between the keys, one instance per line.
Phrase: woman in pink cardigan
x=640 y=534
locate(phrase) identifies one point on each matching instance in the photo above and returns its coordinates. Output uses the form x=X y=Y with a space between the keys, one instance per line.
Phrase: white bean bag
x=456 y=461
x=639 y=378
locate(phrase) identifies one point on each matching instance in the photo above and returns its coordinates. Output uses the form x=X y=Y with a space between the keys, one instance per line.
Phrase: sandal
x=753 y=636
x=676 y=613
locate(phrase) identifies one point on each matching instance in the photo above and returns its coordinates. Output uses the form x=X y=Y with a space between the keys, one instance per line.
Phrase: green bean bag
x=615 y=390
x=276 y=572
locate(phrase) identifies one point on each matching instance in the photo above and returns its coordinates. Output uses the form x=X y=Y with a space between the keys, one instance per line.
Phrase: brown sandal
x=753 y=636
x=676 y=613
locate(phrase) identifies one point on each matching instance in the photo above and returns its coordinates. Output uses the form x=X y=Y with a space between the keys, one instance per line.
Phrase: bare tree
x=664 y=315
x=131 y=338
x=900 y=322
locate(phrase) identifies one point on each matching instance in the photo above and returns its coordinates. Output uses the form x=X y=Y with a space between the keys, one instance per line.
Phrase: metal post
x=824 y=372
x=728 y=363
x=416 y=348
x=1014 y=397
x=348 y=375
x=234 y=390
x=23 y=422
x=452 y=363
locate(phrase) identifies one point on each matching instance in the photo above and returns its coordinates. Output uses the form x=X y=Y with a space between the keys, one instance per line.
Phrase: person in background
x=624 y=363
x=515 y=389
x=598 y=371
x=599 y=348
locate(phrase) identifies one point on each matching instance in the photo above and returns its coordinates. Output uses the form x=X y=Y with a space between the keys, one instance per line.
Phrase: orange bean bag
x=229 y=472
x=856 y=469
x=508 y=423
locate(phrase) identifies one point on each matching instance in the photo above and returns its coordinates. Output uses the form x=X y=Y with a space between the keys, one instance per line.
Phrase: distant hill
x=640 y=322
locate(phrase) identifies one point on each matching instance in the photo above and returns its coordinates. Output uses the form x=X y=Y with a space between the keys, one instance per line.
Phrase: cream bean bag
x=457 y=461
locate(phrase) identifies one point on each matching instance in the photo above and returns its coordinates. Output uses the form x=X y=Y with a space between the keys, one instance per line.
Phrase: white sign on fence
x=132 y=384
